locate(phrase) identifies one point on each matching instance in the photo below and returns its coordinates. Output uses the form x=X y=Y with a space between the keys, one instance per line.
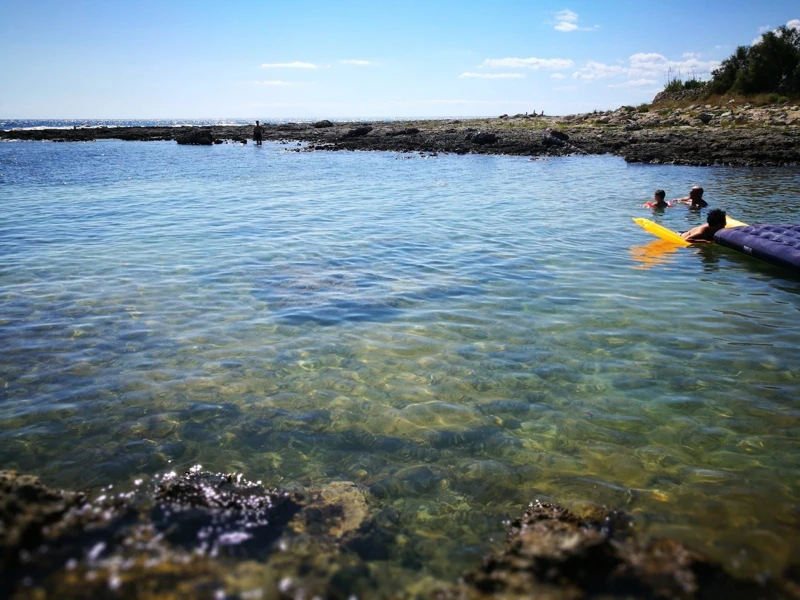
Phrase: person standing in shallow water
x=695 y=198
x=258 y=132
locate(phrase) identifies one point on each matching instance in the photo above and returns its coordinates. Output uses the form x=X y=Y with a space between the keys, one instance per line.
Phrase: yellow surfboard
x=667 y=234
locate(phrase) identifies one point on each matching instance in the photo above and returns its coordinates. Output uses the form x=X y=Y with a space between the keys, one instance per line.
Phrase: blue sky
x=312 y=59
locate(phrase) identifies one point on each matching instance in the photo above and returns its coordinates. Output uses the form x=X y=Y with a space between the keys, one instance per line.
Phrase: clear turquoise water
x=460 y=334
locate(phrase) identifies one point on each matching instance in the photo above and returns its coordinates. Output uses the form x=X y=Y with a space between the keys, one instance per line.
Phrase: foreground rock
x=694 y=135
x=204 y=535
x=552 y=553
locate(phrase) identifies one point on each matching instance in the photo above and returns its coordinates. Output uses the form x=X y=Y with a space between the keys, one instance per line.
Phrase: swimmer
x=658 y=200
x=695 y=198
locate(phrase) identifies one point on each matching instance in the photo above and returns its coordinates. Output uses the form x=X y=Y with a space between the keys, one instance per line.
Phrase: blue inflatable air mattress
x=776 y=244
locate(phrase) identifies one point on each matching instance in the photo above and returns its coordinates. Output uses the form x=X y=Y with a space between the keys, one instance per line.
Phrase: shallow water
x=461 y=334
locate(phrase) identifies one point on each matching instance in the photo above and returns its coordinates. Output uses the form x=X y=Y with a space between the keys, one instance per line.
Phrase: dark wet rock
x=322 y=124
x=207 y=535
x=165 y=540
x=406 y=131
x=483 y=138
x=357 y=132
x=224 y=511
x=556 y=136
x=552 y=553
x=196 y=137
x=706 y=118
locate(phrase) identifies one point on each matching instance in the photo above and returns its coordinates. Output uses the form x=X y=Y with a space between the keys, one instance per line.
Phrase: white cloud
x=491 y=76
x=567 y=20
x=278 y=83
x=558 y=76
x=597 y=70
x=655 y=65
x=290 y=65
x=633 y=83
x=647 y=65
x=357 y=62
x=529 y=63
x=793 y=24
x=764 y=29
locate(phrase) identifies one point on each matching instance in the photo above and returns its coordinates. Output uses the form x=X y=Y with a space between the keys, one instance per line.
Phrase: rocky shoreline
x=698 y=134
x=220 y=536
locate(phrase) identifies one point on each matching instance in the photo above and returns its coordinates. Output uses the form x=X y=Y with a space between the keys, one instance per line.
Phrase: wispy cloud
x=357 y=62
x=633 y=83
x=567 y=20
x=558 y=76
x=491 y=76
x=290 y=65
x=278 y=83
x=529 y=63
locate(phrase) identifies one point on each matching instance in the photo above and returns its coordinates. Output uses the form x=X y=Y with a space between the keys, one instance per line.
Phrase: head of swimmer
x=716 y=219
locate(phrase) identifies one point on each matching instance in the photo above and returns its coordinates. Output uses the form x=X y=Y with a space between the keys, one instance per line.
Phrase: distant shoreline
x=694 y=136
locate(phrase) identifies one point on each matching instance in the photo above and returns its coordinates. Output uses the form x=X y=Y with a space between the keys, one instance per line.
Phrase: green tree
x=723 y=78
x=772 y=64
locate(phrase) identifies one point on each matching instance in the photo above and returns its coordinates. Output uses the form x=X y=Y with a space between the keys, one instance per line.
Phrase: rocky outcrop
x=483 y=138
x=732 y=134
x=679 y=96
x=196 y=137
x=357 y=132
x=324 y=124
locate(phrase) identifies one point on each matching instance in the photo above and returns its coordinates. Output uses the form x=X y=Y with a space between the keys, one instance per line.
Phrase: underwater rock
x=552 y=553
x=216 y=535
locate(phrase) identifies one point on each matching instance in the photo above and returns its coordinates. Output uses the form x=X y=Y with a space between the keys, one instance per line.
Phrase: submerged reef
x=221 y=536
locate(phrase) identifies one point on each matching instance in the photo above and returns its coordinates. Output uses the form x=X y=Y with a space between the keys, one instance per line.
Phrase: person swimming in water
x=704 y=234
x=695 y=198
x=658 y=200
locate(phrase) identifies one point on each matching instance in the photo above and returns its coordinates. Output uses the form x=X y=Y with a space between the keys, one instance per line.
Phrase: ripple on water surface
x=459 y=335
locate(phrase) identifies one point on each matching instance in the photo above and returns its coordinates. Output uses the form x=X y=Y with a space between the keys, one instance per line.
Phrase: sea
x=459 y=335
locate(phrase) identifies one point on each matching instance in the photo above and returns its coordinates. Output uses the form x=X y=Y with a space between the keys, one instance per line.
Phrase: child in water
x=704 y=234
x=658 y=200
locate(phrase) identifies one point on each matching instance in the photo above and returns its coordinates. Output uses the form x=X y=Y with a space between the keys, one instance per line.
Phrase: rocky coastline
x=697 y=134
x=221 y=536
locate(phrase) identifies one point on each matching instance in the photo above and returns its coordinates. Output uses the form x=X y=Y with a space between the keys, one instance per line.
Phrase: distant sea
x=11 y=124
